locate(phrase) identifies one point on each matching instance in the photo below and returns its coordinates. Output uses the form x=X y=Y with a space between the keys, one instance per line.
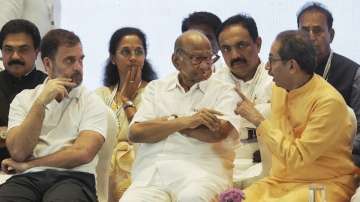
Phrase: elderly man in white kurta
x=185 y=128
x=240 y=45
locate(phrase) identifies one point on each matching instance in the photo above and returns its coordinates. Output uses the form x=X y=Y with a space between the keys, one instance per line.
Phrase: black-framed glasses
x=197 y=59
x=272 y=59
x=127 y=52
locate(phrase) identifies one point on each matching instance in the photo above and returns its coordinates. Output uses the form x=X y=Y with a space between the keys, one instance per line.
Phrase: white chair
x=104 y=162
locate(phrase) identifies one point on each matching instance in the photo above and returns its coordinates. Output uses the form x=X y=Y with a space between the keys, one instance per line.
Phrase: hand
x=10 y=166
x=55 y=89
x=131 y=84
x=206 y=117
x=246 y=108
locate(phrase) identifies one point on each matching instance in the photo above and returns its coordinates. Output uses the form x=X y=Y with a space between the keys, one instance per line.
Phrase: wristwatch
x=128 y=104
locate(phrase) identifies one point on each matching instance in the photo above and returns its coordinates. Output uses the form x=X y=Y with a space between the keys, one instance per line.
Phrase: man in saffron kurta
x=309 y=133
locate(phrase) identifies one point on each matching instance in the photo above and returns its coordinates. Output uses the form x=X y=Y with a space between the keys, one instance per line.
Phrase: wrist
x=128 y=104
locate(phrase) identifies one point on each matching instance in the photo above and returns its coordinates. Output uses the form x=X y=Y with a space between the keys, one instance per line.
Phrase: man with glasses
x=19 y=40
x=240 y=46
x=184 y=130
x=341 y=72
x=309 y=132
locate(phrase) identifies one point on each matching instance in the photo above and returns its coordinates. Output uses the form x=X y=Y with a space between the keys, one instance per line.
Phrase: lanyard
x=327 y=67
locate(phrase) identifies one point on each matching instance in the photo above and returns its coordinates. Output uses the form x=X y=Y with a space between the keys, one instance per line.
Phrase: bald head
x=190 y=40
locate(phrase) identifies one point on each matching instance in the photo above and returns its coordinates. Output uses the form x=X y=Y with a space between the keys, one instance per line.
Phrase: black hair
x=111 y=75
x=316 y=6
x=245 y=21
x=20 y=26
x=297 y=45
x=201 y=17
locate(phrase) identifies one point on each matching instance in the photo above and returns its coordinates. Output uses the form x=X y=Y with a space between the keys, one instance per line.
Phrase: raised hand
x=246 y=108
x=55 y=89
x=131 y=84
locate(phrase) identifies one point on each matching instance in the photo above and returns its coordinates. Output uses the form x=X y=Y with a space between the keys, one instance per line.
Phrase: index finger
x=215 y=112
x=238 y=90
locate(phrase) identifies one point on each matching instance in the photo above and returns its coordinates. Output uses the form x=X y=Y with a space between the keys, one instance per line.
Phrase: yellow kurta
x=309 y=136
x=123 y=154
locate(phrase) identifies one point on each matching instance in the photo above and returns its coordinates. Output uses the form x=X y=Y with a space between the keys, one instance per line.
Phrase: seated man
x=19 y=44
x=309 y=132
x=185 y=130
x=55 y=130
x=240 y=45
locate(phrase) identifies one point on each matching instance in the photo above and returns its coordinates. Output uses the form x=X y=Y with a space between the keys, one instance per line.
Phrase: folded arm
x=81 y=152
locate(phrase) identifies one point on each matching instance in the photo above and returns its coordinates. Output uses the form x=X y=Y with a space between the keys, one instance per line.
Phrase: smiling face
x=129 y=53
x=19 y=54
x=240 y=51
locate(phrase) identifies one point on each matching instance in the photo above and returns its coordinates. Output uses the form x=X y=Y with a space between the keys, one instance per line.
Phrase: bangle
x=128 y=104
x=3 y=135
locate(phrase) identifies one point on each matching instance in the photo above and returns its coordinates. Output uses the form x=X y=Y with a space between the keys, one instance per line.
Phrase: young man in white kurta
x=179 y=167
x=63 y=121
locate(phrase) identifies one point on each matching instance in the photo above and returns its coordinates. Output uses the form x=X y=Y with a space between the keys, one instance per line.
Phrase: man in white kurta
x=55 y=130
x=175 y=164
x=240 y=45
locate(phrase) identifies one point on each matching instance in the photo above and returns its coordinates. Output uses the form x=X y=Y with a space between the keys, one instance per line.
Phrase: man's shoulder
x=345 y=62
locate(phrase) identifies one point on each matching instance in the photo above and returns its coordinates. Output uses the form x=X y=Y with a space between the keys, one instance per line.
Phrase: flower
x=232 y=195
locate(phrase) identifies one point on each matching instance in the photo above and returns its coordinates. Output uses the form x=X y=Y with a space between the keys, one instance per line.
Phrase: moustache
x=16 y=62
x=242 y=60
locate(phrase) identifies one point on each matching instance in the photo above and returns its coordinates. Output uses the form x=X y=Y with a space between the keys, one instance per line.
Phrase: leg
x=69 y=190
x=20 y=188
x=201 y=190
x=145 y=194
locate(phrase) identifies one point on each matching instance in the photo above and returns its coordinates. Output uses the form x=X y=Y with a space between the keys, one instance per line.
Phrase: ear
x=48 y=65
x=175 y=60
x=112 y=59
x=332 y=34
x=258 y=43
x=294 y=66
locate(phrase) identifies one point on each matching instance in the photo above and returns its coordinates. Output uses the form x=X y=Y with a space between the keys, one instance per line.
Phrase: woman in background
x=127 y=72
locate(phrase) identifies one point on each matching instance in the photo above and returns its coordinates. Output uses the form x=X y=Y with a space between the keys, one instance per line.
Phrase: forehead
x=130 y=40
x=313 y=18
x=275 y=46
x=70 y=51
x=234 y=34
x=197 y=45
x=18 y=39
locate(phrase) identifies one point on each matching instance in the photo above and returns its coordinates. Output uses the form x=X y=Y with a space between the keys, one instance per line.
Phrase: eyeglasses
x=314 y=30
x=127 y=52
x=272 y=59
x=22 y=50
x=197 y=59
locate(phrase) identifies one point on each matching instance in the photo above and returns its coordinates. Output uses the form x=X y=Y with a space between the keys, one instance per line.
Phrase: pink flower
x=232 y=195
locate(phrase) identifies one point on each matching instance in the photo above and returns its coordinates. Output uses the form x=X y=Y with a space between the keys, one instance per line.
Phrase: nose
x=205 y=65
x=234 y=53
x=78 y=65
x=15 y=55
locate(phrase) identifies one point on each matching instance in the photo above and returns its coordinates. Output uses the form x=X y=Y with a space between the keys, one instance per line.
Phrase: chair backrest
x=104 y=162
